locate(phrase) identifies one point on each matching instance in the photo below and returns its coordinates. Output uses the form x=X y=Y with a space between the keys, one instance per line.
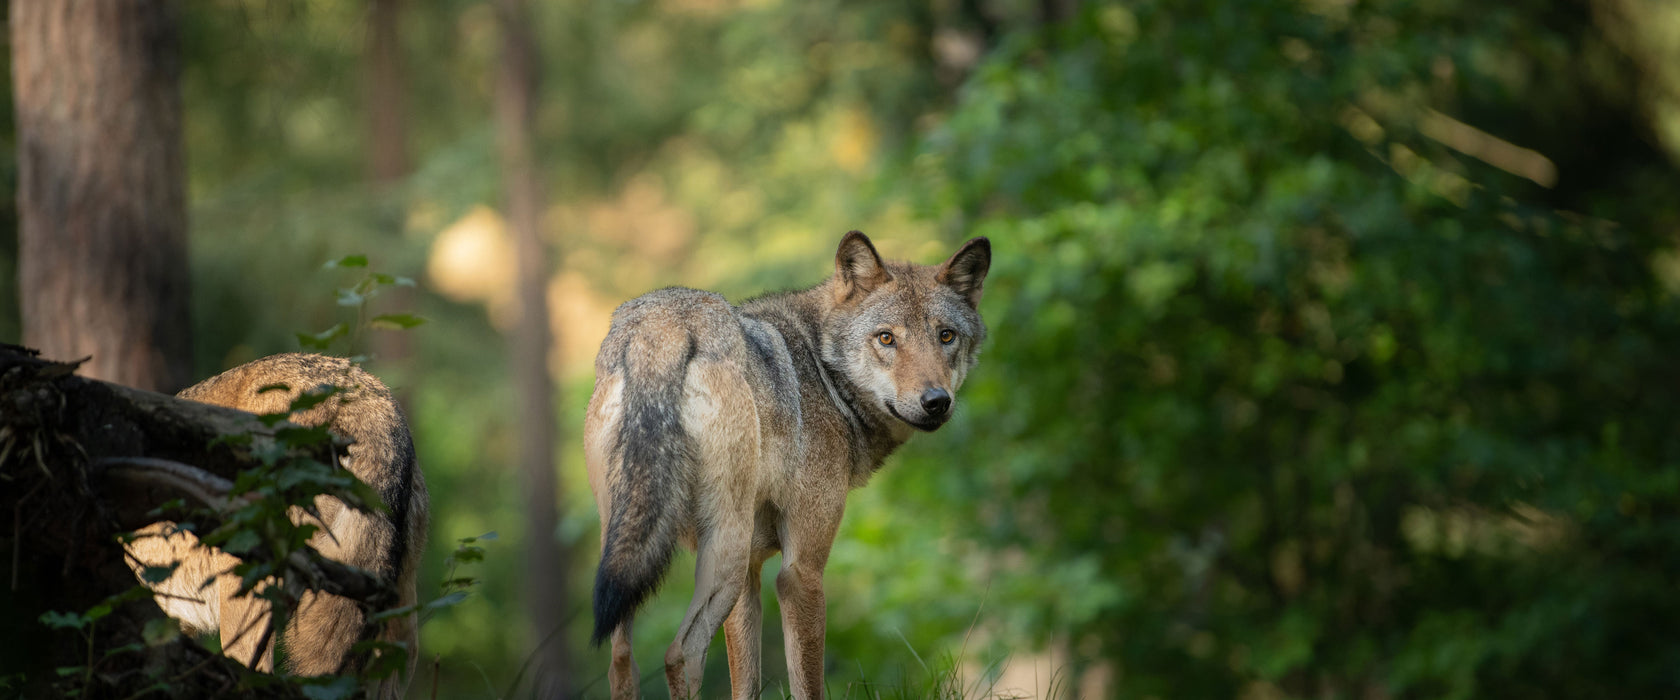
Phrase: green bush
x=1284 y=395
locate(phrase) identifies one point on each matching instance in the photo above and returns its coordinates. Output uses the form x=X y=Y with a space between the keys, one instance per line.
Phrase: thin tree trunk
x=102 y=226
x=545 y=589
x=383 y=89
x=385 y=104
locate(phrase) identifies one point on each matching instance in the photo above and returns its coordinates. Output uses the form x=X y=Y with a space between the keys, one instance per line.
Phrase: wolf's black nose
x=936 y=401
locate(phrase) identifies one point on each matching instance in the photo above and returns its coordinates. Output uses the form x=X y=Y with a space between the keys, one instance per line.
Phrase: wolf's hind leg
x=719 y=578
x=720 y=416
x=321 y=633
x=623 y=679
x=741 y=632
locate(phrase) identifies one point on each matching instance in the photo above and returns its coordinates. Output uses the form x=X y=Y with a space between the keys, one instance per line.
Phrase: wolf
x=201 y=592
x=738 y=431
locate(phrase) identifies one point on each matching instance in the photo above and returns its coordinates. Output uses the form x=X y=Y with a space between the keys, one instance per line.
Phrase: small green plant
x=455 y=588
x=357 y=296
x=155 y=632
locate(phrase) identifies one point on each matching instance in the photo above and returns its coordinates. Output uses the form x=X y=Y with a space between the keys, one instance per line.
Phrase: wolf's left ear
x=965 y=272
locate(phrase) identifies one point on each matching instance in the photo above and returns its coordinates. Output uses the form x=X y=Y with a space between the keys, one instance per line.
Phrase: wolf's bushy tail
x=649 y=489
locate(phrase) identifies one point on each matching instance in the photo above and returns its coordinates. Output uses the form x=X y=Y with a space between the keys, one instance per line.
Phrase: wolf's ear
x=965 y=272
x=858 y=266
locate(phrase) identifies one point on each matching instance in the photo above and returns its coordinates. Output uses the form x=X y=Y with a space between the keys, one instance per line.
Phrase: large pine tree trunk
x=102 y=230
x=545 y=581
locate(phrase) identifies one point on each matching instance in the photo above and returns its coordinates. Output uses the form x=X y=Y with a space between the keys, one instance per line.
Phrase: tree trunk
x=545 y=582
x=102 y=234
x=385 y=104
x=383 y=90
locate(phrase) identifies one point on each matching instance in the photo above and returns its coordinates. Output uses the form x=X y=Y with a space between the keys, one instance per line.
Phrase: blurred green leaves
x=1285 y=394
x=1323 y=421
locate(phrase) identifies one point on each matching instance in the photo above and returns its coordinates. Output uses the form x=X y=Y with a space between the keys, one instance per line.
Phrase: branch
x=206 y=488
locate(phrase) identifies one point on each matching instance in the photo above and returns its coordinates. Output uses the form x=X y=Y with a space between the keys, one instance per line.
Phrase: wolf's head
x=907 y=334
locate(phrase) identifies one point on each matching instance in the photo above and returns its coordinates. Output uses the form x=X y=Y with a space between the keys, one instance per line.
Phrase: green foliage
x=78 y=679
x=455 y=588
x=1284 y=395
x=258 y=527
x=358 y=296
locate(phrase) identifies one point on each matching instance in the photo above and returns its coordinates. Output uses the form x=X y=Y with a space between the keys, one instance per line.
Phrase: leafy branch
x=357 y=296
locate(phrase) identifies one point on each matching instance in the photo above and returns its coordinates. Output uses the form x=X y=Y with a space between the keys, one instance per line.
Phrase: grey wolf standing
x=739 y=430
x=389 y=544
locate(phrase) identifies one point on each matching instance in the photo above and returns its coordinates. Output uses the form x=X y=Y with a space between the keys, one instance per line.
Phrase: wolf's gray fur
x=739 y=430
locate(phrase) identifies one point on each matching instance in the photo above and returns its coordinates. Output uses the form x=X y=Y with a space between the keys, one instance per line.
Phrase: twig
x=209 y=489
x=520 y=676
x=437 y=669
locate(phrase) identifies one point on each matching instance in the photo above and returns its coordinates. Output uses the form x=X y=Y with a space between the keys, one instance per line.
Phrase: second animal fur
x=389 y=544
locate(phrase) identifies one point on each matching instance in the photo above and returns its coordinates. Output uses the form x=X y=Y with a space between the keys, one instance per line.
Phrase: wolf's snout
x=936 y=401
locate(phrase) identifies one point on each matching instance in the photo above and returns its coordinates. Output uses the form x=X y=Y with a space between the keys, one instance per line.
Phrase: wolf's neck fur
x=799 y=316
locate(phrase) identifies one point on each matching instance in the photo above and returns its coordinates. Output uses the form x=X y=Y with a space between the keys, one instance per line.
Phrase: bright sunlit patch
x=1666 y=266
x=580 y=319
x=643 y=219
x=854 y=140
x=472 y=259
x=1488 y=148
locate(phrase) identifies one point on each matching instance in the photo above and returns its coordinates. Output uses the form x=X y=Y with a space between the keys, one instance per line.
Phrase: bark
x=544 y=586
x=82 y=460
x=102 y=237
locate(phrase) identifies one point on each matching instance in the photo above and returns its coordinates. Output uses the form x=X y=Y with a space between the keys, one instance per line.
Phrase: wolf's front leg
x=804 y=611
x=799 y=587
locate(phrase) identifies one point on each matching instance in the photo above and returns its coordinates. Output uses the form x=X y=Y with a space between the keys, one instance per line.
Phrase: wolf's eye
x=946 y=336
x=885 y=338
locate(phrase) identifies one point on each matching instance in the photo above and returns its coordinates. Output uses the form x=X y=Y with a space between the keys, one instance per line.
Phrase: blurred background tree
x=1332 y=339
